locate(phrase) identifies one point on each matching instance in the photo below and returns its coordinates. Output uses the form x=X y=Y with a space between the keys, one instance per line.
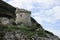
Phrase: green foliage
x=2 y=33
x=49 y=32
x=29 y=31
x=41 y=33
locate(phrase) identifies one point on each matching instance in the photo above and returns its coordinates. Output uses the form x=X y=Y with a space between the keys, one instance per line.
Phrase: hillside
x=22 y=32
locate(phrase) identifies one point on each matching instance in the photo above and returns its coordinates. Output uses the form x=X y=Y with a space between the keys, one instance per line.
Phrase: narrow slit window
x=21 y=15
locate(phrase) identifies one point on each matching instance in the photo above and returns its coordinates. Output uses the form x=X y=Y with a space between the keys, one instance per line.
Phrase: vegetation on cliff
x=29 y=31
x=26 y=30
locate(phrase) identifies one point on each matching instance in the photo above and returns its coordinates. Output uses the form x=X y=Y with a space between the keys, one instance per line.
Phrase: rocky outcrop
x=22 y=36
x=25 y=33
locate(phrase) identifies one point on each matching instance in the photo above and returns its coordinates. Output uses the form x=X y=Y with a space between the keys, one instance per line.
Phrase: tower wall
x=23 y=17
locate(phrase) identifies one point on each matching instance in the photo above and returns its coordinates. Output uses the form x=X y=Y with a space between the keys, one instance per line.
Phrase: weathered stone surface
x=23 y=17
x=4 y=21
x=22 y=36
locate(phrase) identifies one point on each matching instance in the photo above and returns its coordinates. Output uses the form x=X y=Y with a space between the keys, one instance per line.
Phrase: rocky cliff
x=23 y=32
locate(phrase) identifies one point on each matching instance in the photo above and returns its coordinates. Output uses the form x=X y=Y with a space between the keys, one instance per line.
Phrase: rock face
x=6 y=21
x=22 y=36
x=9 y=31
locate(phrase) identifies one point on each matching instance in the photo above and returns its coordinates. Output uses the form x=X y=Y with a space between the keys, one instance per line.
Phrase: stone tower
x=23 y=17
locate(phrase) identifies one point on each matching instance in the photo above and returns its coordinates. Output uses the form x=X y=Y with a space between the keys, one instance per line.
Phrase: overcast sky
x=46 y=12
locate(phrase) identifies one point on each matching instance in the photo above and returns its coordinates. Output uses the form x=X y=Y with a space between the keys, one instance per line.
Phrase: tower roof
x=22 y=11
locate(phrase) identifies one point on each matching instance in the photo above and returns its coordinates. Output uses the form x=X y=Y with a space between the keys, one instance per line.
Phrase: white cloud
x=51 y=15
x=57 y=2
x=43 y=4
x=57 y=12
x=56 y=32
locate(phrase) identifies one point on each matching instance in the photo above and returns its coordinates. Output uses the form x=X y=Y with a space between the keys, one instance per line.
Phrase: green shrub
x=29 y=31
